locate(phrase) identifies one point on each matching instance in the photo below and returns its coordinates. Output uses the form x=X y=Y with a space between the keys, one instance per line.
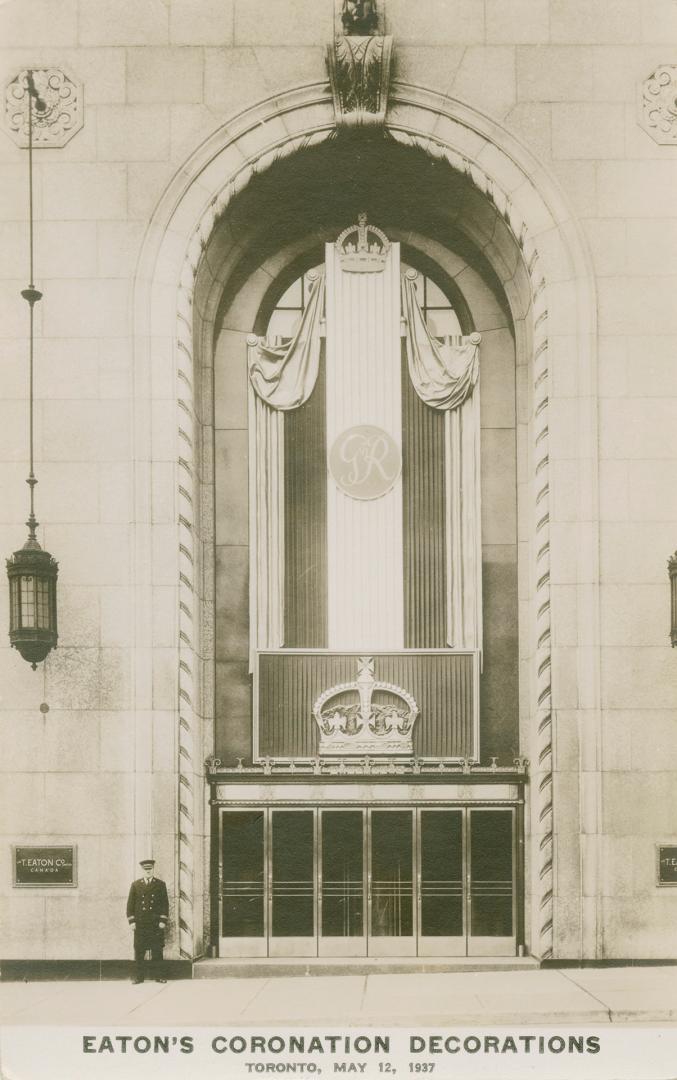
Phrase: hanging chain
x=32 y=295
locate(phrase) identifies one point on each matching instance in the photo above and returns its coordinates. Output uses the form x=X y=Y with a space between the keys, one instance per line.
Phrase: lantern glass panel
x=42 y=599
x=27 y=601
x=14 y=602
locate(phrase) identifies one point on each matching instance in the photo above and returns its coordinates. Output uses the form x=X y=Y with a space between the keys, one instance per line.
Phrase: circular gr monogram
x=365 y=461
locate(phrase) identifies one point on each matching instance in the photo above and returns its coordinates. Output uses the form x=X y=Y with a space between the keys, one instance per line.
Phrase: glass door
x=441 y=906
x=390 y=881
x=341 y=884
x=243 y=929
x=490 y=836
x=291 y=883
x=358 y=881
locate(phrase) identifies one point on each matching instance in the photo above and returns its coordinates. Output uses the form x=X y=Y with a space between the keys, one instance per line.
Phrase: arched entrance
x=499 y=199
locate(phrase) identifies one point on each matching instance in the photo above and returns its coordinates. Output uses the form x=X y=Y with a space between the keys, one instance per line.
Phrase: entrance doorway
x=368 y=881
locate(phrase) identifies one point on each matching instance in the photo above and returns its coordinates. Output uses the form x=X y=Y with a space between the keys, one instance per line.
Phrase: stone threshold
x=269 y=967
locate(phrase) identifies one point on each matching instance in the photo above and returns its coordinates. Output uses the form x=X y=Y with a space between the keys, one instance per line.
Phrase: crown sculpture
x=362 y=248
x=351 y=721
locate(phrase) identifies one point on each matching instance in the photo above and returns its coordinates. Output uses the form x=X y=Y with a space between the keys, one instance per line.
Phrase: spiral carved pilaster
x=541 y=772
x=188 y=628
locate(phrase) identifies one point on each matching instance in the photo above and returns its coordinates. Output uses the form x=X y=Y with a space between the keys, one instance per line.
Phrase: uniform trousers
x=148 y=940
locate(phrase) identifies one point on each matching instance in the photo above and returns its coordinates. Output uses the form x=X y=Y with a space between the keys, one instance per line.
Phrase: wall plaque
x=41 y=866
x=667 y=865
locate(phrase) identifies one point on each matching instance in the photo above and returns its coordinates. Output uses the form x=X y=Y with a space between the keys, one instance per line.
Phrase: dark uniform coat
x=147 y=907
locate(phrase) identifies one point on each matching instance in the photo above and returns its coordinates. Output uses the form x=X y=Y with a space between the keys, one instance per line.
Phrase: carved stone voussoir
x=57 y=113
x=658 y=104
x=359 y=70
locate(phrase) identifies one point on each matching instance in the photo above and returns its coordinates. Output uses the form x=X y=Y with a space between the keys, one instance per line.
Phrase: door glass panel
x=491 y=873
x=342 y=874
x=242 y=854
x=441 y=873
x=293 y=891
x=392 y=884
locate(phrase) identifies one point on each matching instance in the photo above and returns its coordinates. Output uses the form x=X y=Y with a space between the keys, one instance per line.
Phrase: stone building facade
x=522 y=159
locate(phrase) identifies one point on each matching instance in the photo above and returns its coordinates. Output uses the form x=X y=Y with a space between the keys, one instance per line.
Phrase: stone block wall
x=99 y=768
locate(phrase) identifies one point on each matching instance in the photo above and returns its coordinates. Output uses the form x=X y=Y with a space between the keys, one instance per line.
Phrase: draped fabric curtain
x=445 y=376
x=281 y=377
x=284 y=375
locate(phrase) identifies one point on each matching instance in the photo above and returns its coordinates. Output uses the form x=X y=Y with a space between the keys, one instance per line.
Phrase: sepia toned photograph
x=338 y=402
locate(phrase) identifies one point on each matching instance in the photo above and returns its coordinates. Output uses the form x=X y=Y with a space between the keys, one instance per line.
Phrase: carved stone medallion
x=658 y=104
x=57 y=114
x=365 y=461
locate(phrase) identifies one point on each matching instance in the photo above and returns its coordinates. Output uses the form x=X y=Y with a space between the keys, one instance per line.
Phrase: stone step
x=267 y=967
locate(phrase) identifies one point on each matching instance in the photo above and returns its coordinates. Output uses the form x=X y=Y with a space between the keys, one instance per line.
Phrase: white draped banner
x=364 y=381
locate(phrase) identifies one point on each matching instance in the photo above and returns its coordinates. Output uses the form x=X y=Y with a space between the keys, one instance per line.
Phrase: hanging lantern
x=672 y=571
x=32 y=575
x=32 y=572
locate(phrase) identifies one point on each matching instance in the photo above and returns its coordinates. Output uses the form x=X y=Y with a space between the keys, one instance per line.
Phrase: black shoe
x=136 y=981
x=161 y=980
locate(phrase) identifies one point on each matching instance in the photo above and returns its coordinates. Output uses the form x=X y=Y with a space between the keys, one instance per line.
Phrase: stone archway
x=527 y=233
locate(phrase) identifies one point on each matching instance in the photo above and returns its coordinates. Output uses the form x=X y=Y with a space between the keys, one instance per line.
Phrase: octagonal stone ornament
x=658 y=104
x=54 y=124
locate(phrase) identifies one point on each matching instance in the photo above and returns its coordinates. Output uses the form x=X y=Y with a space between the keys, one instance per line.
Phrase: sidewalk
x=590 y=996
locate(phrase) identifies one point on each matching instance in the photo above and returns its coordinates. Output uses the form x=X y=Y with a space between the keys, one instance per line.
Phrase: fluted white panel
x=463 y=523
x=365 y=556
x=266 y=525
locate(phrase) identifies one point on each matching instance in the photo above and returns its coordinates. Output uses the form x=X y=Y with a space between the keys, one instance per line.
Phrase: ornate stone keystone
x=359 y=67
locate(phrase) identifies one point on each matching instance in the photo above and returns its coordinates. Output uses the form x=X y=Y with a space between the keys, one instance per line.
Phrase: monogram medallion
x=365 y=462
